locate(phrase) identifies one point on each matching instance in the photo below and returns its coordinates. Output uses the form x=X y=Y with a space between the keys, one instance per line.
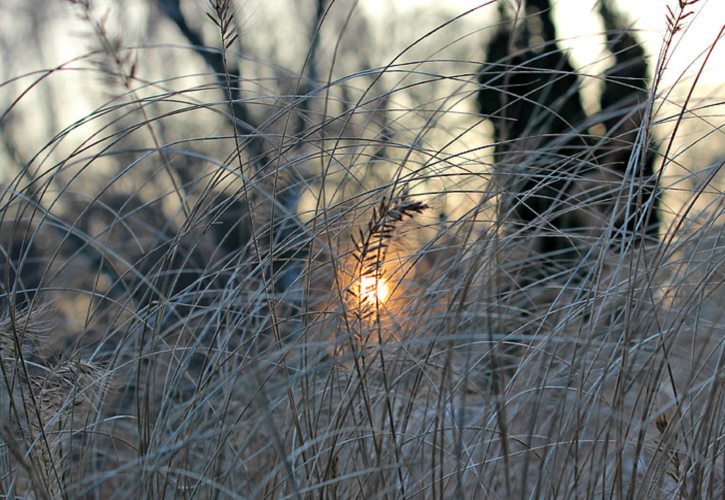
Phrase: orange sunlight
x=371 y=287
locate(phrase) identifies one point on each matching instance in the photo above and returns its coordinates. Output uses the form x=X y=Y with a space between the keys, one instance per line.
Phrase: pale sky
x=579 y=27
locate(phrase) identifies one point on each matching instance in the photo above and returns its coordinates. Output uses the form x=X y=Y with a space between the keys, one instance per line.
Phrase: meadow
x=314 y=253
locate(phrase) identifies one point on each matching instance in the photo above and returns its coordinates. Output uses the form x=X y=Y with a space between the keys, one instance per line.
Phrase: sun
x=372 y=288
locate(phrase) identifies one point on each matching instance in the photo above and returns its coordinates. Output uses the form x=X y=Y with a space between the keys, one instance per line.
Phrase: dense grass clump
x=445 y=272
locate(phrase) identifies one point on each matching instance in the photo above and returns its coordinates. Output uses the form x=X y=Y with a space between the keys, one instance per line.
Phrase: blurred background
x=335 y=100
x=430 y=85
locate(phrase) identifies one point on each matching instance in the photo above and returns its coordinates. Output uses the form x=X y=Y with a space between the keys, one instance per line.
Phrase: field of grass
x=359 y=278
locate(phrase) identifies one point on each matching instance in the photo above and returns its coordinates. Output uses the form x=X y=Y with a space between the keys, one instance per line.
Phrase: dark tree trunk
x=530 y=91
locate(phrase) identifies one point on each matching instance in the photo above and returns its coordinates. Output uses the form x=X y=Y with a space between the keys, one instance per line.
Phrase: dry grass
x=190 y=273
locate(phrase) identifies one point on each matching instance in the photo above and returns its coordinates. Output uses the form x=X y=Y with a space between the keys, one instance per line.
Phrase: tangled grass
x=186 y=275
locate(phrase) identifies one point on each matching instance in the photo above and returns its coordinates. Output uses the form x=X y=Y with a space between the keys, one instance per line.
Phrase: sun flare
x=372 y=288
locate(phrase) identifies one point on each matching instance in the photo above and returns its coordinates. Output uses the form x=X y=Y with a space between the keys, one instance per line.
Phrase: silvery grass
x=183 y=313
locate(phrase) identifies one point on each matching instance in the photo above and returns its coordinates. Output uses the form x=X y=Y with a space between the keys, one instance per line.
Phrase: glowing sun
x=372 y=288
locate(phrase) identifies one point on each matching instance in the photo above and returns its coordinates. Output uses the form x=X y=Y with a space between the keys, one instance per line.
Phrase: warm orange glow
x=370 y=288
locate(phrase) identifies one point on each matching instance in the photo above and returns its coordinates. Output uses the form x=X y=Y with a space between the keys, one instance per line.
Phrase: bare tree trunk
x=543 y=148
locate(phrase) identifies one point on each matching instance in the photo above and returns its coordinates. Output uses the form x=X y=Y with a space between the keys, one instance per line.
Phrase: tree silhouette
x=544 y=147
